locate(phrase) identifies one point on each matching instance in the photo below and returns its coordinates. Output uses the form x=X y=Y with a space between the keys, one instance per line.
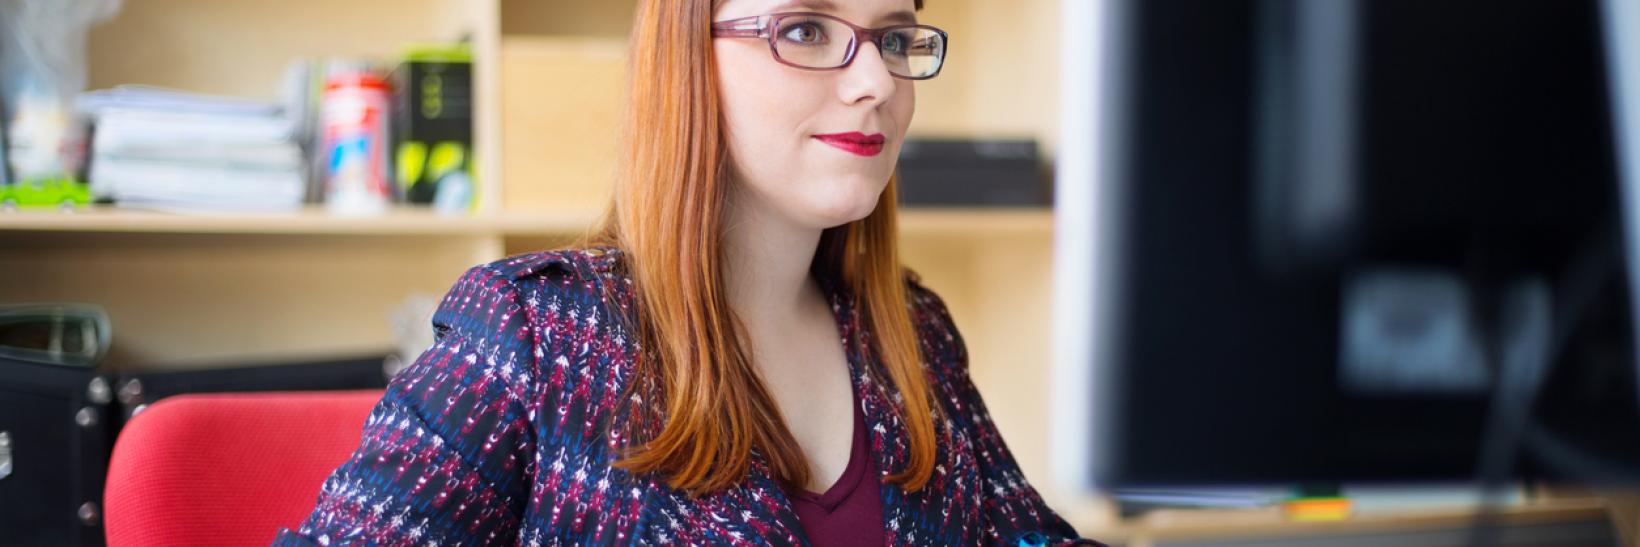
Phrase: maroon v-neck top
x=851 y=511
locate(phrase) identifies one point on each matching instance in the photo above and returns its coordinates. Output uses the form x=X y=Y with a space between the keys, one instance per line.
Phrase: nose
x=866 y=79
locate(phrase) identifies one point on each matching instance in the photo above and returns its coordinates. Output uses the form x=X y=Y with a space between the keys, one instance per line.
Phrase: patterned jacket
x=493 y=435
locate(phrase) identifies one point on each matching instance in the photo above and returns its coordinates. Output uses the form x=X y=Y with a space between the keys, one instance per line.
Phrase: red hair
x=704 y=408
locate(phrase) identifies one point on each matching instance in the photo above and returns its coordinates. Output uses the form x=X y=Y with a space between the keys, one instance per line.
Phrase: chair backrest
x=227 y=469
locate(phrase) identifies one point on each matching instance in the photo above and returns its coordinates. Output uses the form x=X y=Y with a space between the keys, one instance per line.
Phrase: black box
x=433 y=124
x=136 y=390
x=55 y=440
x=969 y=172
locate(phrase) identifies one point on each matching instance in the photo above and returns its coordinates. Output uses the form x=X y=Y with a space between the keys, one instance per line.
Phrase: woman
x=678 y=378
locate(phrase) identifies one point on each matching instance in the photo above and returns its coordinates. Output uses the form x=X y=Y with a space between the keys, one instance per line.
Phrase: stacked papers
x=166 y=149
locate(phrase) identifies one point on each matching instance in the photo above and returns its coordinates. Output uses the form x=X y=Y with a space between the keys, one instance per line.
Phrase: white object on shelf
x=173 y=150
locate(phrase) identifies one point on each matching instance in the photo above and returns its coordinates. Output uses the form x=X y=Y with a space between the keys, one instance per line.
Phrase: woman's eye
x=805 y=33
x=895 y=42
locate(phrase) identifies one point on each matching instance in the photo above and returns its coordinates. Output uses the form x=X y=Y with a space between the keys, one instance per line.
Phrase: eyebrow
x=901 y=16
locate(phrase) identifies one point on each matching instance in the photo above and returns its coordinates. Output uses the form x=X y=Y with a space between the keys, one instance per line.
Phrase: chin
x=835 y=214
x=844 y=207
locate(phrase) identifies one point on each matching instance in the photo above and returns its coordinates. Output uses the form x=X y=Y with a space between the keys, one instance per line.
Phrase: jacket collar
x=948 y=502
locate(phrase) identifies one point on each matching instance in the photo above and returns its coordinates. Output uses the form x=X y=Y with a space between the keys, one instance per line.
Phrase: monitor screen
x=1302 y=241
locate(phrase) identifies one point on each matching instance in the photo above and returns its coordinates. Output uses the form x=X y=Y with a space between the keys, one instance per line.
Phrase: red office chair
x=227 y=469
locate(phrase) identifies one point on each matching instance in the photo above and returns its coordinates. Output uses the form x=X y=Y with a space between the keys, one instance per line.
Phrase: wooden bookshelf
x=313 y=221
x=934 y=223
x=202 y=290
x=196 y=289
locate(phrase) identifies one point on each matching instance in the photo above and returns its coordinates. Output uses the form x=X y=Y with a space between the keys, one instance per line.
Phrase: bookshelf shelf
x=915 y=222
x=313 y=221
x=976 y=222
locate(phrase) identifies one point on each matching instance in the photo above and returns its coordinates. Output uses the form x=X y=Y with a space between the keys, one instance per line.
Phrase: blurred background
x=271 y=195
x=226 y=181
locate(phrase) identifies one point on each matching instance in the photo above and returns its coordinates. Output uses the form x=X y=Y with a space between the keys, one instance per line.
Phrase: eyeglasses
x=816 y=41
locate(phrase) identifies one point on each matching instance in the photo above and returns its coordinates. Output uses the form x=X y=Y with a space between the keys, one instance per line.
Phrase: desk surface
x=1195 y=525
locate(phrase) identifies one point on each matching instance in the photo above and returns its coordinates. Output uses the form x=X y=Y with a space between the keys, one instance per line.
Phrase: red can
x=355 y=141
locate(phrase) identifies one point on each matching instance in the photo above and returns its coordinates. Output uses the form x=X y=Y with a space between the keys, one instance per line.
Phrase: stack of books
x=164 y=149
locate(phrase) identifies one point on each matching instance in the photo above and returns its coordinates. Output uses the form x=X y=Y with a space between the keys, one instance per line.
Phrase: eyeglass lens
x=820 y=42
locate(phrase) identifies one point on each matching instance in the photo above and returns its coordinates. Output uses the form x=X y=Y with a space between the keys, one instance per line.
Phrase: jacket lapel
x=946 y=510
x=756 y=512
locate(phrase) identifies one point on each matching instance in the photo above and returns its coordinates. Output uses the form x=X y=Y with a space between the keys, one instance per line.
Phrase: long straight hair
x=704 y=409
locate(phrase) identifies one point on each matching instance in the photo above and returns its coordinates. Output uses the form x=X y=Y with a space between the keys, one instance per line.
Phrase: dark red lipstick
x=856 y=143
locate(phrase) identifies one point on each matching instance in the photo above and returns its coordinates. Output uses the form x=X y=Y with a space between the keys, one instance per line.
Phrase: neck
x=768 y=260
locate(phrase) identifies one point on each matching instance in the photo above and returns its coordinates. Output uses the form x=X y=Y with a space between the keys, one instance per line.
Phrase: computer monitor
x=1344 y=240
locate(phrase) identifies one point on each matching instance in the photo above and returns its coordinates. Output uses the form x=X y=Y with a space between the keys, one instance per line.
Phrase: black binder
x=55 y=439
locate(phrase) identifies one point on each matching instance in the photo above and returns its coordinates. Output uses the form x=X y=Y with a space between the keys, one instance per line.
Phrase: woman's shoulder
x=925 y=303
x=568 y=277
x=564 y=297
x=565 y=305
x=561 y=265
x=936 y=330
